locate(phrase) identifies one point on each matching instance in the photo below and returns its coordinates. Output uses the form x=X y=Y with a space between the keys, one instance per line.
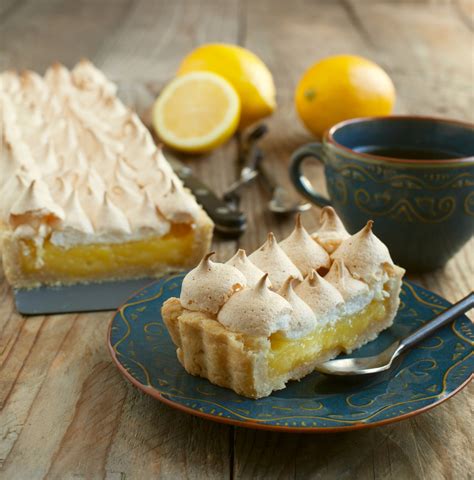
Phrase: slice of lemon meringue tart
x=254 y=323
x=85 y=194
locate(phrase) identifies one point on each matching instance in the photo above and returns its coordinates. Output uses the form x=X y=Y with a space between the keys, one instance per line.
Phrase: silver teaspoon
x=282 y=202
x=383 y=361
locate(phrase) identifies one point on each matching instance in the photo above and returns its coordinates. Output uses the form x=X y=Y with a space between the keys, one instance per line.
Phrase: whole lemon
x=243 y=70
x=341 y=87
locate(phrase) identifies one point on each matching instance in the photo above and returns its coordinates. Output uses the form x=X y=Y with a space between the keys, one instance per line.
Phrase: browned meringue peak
x=34 y=201
x=156 y=177
x=341 y=278
x=303 y=251
x=60 y=187
x=124 y=172
x=87 y=77
x=323 y=298
x=173 y=201
x=34 y=87
x=51 y=162
x=145 y=218
x=139 y=146
x=95 y=144
x=77 y=218
x=156 y=172
x=125 y=193
x=332 y=231
x=364 y=255
x=303 y=320
x=15 y=158
x=58 y=78
x=110 y=219
x=271 y=259
x=241 y=262
x=10 y=81
x=159 y=161
x=356 y=293
x=151 y=168
x=64 y=137
x=208 y=286
x=256 y=311
x=10 y=188
x=89 y=181
x=135 y=132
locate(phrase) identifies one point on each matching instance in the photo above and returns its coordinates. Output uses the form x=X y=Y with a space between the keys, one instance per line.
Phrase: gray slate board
x=91 y=297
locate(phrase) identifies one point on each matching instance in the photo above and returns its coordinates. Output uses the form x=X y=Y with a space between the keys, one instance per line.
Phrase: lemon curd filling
x=288 y=354
x=83 y=261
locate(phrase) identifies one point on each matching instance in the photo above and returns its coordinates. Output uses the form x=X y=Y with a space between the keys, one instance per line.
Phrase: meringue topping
x=242 y=263
x=356 y=293
x=146 y=218
x=173 y=201
x=303 y=320
x=332 y=231
x=303 y=251
x=208 y=286
x=271 y=259
x=68 y=132
x=364 y=255
x=323 y=298
x=256 y=311
x=36 y=201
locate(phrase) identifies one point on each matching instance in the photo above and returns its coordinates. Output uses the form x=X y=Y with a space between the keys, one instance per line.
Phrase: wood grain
x=65 y=412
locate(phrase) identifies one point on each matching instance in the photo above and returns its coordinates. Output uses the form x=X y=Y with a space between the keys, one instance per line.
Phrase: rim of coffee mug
x=329 y=137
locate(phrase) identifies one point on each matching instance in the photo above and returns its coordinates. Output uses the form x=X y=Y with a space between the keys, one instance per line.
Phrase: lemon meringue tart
x=85 y=194
x=254 y=323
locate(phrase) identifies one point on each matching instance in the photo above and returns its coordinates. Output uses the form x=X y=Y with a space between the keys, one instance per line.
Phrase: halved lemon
x=246 y=72
x=196 y=112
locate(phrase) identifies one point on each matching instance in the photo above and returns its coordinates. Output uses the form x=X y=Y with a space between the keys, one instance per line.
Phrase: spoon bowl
x=384 y=360
x=360 y=366
x=283 y=204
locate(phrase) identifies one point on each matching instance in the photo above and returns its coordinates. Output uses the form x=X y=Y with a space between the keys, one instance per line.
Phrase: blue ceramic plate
x=427 y=375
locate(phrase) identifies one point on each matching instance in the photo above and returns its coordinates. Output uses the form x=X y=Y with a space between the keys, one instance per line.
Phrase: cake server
x=384 y=360
x=90 y=297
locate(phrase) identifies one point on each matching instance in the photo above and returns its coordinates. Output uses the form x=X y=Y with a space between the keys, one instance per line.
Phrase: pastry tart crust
x=241 y=362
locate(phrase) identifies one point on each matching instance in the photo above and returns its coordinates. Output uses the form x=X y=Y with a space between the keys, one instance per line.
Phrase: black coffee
x=408 y=153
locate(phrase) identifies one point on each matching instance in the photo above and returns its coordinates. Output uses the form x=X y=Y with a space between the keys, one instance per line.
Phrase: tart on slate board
x=87 y=196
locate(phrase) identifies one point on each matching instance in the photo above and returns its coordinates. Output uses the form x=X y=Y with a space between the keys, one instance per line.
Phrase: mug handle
x=302 y=184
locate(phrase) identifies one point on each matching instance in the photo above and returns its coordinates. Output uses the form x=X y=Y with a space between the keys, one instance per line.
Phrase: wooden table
x=65 y=411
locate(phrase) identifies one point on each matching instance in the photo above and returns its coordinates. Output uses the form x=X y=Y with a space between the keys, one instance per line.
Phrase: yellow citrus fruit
x=196 y=112
x=341 y=87
x=244 y=70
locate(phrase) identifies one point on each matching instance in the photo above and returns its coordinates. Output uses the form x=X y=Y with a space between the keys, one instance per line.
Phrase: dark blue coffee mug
x=413 y=175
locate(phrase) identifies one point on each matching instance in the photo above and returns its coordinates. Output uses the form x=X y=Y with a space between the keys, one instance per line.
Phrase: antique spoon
x=383 y=361
x=282 y=202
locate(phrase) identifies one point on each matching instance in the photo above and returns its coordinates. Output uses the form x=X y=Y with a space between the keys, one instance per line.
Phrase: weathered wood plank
x=38 y=33
x=156 y=35
x=419 y=448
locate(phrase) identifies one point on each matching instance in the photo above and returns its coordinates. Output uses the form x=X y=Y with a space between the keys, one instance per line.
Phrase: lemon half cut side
x=196 y=112
x=247 y=73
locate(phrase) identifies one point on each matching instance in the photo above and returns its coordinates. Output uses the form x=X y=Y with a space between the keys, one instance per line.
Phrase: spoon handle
x=442 y=319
